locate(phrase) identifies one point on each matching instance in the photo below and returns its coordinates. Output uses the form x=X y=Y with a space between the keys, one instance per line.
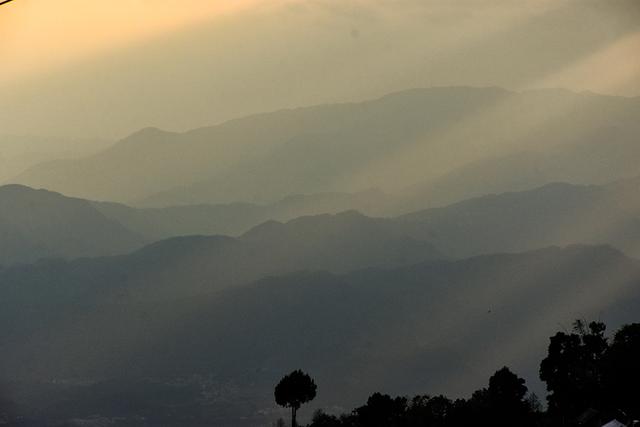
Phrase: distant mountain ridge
x=425 y=140
x=21 y=152
x=554 y=214
x=204 y=265
x=38 y=224
x=236 y=218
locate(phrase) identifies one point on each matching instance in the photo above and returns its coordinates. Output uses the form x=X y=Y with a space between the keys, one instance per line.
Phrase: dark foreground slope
x=436 y=327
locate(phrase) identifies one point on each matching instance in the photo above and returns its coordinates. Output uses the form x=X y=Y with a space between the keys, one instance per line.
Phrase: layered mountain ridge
x=432 y=143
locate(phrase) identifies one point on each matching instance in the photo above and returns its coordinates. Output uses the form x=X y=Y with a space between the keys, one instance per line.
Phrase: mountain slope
x=195 y=265
x=437 y=327
x=237 y=218
x=555 y=214
x=20 y=152
x=37 y=224
x=417 y=136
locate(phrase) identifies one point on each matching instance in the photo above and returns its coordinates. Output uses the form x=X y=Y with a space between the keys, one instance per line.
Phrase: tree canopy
x=294 y=390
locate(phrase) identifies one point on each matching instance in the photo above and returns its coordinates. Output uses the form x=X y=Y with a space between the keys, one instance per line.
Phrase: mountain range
x=193 y=265
x=409 y=244
x=21 y=152
x=437 y=145
x=38 y=224
x=237 y=218
x=554 y=214
x=41 y=224
x=210 y=322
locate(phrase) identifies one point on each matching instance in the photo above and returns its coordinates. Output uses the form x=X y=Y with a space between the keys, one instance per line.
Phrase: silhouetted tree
x=382 y=410
x=506 y=403
x=429 y=411
x=623 y=370
x=506 y=388
x=294 y=390
x=320 y=419
x=534 y=403
x=505 y=396
x=573 y=369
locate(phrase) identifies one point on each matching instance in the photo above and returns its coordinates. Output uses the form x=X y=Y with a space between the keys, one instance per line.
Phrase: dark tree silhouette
x=506 y=389
x=503 y=403
x=506 y=398
x=382 y=410
x=320 y=419
x=573 y=369
x=623 y=370
x=590 y=380
x=294 y=390
x=429 y=411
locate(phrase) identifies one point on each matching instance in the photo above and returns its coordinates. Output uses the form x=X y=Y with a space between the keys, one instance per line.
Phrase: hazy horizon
x=105 y=72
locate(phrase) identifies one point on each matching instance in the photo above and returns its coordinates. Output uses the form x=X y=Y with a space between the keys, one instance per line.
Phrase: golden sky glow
x=91 y=68
x=38 y=34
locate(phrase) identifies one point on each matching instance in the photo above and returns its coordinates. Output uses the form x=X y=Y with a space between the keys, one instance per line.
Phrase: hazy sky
x=105 y=69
